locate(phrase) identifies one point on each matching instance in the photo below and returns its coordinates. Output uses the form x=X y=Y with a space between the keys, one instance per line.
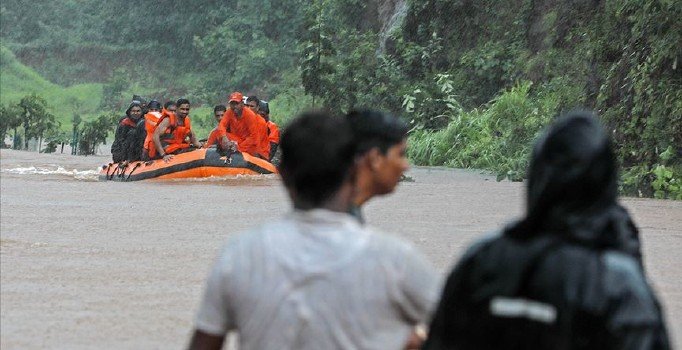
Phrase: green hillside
x=18 y=80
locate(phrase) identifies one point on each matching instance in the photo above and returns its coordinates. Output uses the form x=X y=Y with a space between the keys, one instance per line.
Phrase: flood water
x=87 y=264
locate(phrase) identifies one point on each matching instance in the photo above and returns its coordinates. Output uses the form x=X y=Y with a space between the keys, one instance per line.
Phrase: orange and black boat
x=196 y=163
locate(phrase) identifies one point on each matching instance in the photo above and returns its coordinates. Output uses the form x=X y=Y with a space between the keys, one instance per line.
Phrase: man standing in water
x=316 y=279
x=568 y=275
x=381 y=154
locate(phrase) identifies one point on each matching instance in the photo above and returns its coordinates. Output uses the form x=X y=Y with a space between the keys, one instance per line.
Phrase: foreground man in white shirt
x=316 y=278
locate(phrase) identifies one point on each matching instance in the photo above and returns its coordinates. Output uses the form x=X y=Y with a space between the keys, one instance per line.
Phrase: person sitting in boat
x=171 y=133
x=150 y=119
x=245 y=128
x=143 y=103
x=273 y=129
x=126 y=135
x=214 y=136
x=253 y=102
x=169 y=106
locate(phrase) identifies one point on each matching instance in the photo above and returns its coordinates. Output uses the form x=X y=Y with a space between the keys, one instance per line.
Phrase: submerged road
x=87 y=264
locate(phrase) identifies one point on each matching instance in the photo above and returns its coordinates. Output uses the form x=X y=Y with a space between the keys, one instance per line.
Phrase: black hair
x=219 y=108
x=181 y=101
x=253 y=98
x=375 y=129
x=168 y=104
x=154 y=104
x=317 y=156
x=264 y=107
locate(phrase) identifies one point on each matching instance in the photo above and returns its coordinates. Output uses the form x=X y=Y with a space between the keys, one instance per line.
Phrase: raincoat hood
x=572 y=187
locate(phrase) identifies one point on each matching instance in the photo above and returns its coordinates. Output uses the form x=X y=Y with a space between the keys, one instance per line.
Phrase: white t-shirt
x=318 y=280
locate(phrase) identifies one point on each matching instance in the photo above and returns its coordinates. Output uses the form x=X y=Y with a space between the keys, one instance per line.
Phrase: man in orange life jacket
x=124 y=139
x=259 y=107
x=273 y=129
x=172 y=131
x=245 y=128
x=151 y=120
x=214 y=136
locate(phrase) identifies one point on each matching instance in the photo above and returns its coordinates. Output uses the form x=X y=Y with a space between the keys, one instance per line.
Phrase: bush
x=496 y=137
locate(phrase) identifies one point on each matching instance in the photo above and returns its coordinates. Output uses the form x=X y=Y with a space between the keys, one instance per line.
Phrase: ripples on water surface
x=75 y=174
x=57 y=171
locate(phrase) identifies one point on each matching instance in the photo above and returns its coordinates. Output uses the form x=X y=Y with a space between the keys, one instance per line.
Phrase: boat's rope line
x=131 y=172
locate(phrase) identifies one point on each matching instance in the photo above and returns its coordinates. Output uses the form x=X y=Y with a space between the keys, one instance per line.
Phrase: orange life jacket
x=151 y=120
x=273 y=132
x=173 y=138
x=213 y=138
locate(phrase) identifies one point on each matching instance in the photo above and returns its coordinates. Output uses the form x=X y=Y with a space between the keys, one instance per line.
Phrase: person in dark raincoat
x=567 y=276
x=126 y=136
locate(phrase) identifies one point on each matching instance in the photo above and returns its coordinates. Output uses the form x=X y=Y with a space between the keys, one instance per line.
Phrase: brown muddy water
x=87 y=264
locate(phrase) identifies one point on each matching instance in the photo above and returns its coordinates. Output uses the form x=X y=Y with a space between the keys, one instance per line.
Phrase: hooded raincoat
x=128 y=141
x=567 y=276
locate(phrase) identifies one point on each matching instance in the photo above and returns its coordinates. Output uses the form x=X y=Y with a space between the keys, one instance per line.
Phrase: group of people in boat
x=150 y=131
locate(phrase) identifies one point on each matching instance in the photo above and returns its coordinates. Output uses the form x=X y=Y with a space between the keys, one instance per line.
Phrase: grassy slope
x=18 y=80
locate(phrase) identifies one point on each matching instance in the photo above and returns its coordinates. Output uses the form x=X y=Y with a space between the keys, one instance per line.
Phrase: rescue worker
x=245 y=128
x=172 y=131
x=154 y=106
x=253 y=102
x=126 y=135
x=214 y=136
x=568 y=275
x=151 y=120
x=273 y=129
x=381 y=154
x=169 y=106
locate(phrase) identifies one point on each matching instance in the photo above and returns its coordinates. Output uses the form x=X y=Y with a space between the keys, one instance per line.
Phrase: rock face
x=390 y=16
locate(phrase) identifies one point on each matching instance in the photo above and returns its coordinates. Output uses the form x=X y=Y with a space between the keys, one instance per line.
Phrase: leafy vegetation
x=617 y=57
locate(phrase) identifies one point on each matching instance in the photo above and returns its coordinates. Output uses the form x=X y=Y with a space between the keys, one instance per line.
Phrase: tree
x=316 y=46
x=112 y=92
x=76 y=121
x=55 y=137
x=10 y=118
x=94 y=133
x=35 y=117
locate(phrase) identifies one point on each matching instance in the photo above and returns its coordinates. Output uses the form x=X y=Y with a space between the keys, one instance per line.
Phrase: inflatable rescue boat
x=192 y=164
